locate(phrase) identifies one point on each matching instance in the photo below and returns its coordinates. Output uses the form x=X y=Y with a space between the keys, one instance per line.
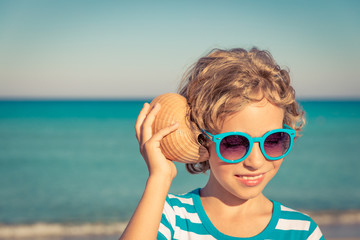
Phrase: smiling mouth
x=250 y=177
x=250 y=180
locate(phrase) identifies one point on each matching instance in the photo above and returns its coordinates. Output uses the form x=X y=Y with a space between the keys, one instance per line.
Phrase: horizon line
x=147 y=98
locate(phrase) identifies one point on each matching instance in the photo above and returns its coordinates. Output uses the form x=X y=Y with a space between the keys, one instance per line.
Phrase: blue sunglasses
x=234 y=147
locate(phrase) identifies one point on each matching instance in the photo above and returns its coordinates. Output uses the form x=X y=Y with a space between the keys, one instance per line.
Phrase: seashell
x=181 y=145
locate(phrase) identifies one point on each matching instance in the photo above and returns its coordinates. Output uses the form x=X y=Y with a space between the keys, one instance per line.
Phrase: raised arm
x=144 y=223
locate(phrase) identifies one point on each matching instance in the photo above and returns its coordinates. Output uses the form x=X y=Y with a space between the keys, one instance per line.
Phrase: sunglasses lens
x=234 y=147
x=277 y=144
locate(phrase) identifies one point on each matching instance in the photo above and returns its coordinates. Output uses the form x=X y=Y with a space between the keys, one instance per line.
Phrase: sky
x=86 y=49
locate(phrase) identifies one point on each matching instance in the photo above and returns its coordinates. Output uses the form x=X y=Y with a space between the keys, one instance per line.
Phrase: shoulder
x=291 y=220
x=179 y=218
x=181 y=205
x=292 y=214
x=181 y=199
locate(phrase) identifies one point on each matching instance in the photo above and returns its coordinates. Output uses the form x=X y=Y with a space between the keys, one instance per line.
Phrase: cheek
x=212 y=151
x=276 y=164
x=217 y=166
x=214 y=159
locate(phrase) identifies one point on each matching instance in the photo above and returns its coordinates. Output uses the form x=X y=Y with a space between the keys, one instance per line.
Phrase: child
x=243 y=104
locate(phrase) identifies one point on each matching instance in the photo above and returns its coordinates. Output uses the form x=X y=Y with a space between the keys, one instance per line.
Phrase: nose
x=256 y=159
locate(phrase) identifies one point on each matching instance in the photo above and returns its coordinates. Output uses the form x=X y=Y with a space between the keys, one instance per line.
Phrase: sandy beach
x=335 y=225
x=338 y=232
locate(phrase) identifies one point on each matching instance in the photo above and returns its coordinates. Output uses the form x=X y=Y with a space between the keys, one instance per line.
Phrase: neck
x=233 y=215
x=215 y=195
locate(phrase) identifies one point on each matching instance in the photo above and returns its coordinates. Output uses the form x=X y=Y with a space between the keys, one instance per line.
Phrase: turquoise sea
x=77 y=162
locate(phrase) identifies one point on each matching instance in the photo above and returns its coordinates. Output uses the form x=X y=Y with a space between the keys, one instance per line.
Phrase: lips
x=251 y=180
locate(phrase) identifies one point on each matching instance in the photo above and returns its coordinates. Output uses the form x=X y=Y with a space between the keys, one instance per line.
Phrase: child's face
x=247 y=179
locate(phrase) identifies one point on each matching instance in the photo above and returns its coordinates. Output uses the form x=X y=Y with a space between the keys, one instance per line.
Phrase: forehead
x=255 y=118
x=262 y=103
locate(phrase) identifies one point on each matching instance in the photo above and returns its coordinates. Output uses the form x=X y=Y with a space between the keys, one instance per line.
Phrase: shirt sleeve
x=167 y=223
x=315 y=232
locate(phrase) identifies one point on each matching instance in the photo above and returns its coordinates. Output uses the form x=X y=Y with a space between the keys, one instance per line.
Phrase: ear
x=203 y=149
x=203 y=141
x=204 y=154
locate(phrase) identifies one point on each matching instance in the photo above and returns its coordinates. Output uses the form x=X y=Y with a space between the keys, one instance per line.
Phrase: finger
x=146 y=131
x=164 y=132
x=140 y=119
x=154 y=141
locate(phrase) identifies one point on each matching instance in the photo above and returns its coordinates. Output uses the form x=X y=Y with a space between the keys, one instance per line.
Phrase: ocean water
x=78 y=162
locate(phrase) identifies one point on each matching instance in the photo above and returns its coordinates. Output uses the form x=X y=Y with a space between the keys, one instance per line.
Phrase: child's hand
x=149 y=143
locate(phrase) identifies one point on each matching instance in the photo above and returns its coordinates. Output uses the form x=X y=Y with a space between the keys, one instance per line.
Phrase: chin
x=244 y=193
x=248 y=194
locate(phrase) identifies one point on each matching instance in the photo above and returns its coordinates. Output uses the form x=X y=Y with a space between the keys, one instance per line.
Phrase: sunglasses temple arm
x=207 y=134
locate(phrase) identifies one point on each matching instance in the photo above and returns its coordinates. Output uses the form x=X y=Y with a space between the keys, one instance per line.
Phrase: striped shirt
x=184 y=218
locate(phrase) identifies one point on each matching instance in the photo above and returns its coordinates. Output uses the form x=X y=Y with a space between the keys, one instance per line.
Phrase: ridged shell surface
x=180 y=145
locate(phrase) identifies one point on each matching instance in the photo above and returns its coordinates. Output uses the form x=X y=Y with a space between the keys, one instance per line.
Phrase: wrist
x=165 y=174
x=164 y=180
x=158 y=185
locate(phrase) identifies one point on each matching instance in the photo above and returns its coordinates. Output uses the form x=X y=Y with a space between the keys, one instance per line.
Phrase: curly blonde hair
x=225 y=81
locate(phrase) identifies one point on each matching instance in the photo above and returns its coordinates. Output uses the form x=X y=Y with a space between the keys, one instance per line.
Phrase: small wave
x=40 y=230
x=335 y=217
x=45 y=230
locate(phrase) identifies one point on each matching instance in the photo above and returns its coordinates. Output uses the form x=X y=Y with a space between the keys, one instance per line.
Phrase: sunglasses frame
x=219 y=137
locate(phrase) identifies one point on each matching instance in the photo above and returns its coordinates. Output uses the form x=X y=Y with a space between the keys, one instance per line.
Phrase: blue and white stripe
x=184 y=218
